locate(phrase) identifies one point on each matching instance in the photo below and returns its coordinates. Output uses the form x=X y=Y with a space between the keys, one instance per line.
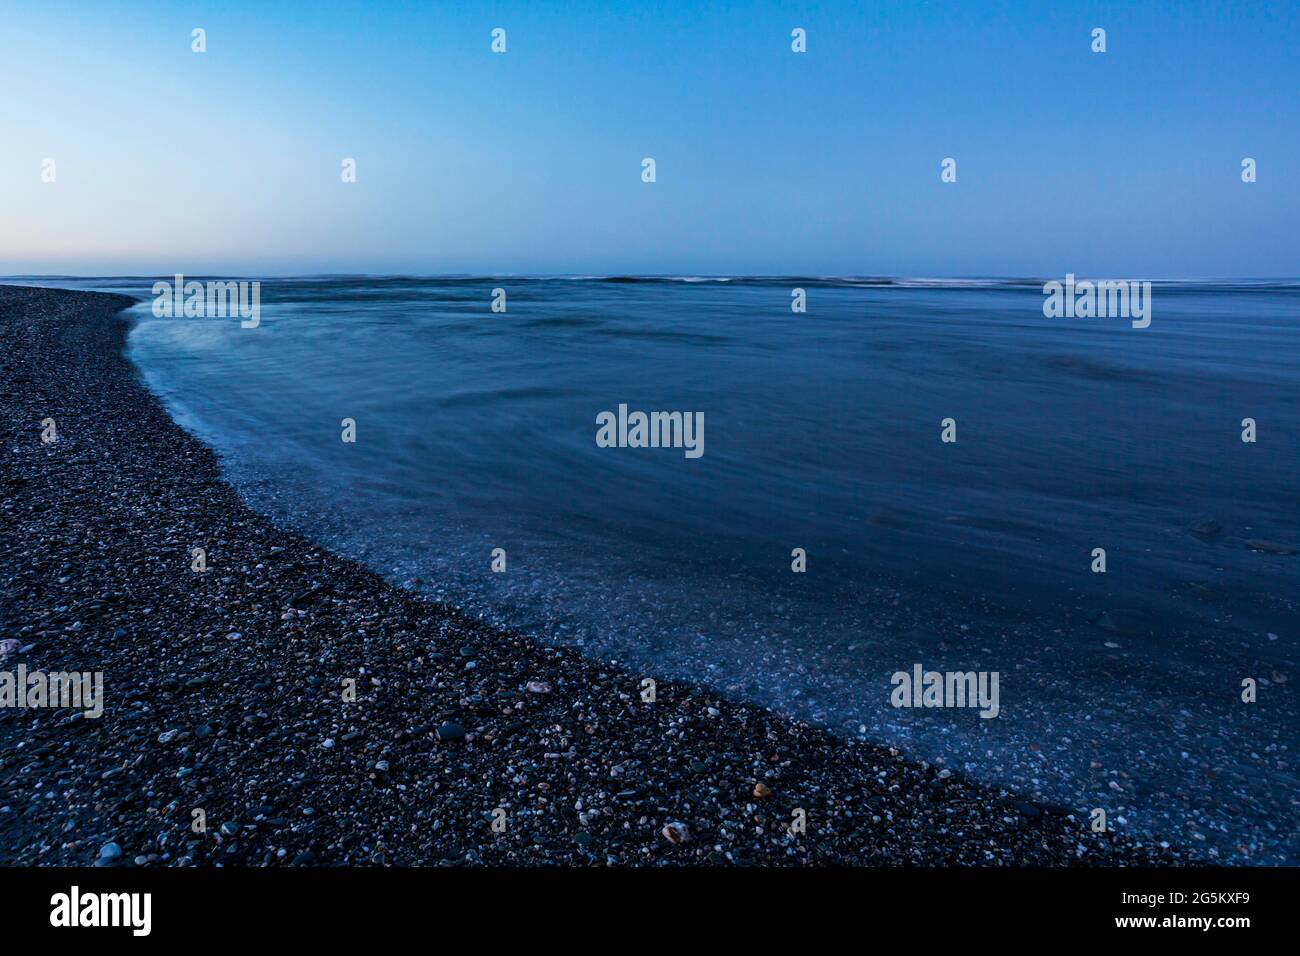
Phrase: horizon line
x=632 y=275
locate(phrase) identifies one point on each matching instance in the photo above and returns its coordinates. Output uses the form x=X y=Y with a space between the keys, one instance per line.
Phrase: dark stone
x=450 y=730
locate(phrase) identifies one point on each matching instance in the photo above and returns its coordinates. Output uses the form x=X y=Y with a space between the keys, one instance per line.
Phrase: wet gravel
x=230 y=690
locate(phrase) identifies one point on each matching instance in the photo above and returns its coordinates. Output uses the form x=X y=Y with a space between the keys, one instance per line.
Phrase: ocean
x=822 y=431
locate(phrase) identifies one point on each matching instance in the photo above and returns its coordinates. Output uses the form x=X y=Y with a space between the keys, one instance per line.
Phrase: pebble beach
x=308 y=712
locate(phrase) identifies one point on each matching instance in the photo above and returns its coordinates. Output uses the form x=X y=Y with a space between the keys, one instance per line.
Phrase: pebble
x=450 y=730
x=677 y=833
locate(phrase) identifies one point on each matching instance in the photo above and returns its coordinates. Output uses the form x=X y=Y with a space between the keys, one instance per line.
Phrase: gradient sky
x=1121 y=164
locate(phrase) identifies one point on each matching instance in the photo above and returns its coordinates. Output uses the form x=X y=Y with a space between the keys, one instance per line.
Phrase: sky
x=1120 y=164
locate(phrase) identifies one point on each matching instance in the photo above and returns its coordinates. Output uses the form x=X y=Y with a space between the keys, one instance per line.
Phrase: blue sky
x=1125 y=163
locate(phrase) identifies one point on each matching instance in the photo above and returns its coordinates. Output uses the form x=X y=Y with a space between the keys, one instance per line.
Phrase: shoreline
x=224 y=689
